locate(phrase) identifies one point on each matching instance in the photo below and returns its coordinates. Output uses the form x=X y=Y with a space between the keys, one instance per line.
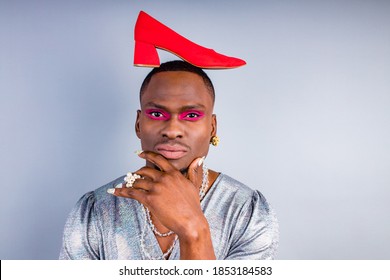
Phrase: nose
x=173 y=128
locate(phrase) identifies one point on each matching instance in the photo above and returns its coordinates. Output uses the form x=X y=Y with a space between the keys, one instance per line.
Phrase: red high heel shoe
x=150 y=34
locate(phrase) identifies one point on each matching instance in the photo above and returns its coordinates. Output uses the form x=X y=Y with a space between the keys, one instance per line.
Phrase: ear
x=137 y=125
x=214 y=125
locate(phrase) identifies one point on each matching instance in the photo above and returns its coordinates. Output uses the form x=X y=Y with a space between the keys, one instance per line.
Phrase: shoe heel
x=146 y=55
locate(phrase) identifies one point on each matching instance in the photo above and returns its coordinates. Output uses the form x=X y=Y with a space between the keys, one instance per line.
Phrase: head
x=176 y=117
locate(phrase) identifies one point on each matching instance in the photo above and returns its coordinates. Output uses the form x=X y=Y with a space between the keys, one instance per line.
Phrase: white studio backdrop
x=306 y=121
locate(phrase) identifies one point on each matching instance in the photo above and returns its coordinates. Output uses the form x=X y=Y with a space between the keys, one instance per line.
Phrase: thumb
x=195 y=171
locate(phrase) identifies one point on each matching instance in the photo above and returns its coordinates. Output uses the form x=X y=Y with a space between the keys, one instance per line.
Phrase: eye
x=191 y=115
x=157 y=114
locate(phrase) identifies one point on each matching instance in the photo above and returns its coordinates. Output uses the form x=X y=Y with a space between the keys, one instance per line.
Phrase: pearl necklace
x=153 y=227
x=205 y=183
x=148 y=221
x=143 y=246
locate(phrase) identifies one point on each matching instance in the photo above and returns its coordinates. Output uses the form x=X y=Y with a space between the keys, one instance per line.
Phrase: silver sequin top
x=103 y=226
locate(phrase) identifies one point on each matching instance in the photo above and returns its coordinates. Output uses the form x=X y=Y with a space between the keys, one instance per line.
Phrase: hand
x=171 y=197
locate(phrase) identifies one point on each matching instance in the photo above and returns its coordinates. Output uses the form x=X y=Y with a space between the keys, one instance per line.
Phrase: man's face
x=176 y=117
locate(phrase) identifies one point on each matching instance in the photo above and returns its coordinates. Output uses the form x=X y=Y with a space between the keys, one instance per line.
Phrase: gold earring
x=214 y=140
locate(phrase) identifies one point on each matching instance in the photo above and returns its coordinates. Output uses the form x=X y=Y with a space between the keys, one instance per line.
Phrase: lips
x=171 y=151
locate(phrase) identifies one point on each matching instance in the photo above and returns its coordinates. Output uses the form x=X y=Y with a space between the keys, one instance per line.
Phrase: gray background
x=306 y=121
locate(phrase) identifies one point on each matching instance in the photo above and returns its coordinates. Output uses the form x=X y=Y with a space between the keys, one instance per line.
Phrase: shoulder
x=242 y=200
x=255 y=233
x=101 y=195
x=97 y=200
x=232 y=185
x=83 y=229
x=239 y=192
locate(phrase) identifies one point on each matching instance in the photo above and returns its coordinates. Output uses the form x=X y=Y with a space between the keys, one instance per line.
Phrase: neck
x=183 y=171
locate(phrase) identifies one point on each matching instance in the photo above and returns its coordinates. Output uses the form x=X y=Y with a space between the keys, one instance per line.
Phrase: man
x=173 y=207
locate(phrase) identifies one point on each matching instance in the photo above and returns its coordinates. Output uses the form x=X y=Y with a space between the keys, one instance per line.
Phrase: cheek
x=147 y=132
x=200 y=138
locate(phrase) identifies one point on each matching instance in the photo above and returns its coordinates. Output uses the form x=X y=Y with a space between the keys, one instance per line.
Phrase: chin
x=180 y=165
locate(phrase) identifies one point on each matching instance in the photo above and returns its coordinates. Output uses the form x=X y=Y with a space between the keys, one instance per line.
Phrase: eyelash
x=166 y=116
x=184 y=115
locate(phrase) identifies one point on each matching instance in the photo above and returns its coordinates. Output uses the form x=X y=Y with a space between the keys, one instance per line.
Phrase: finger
x=143 y=184
x=148 y=172
x=161 y=162
x=137 y=194
x=195 y=171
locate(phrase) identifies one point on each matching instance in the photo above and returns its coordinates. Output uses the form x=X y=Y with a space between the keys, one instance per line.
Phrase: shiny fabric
x=102 y=226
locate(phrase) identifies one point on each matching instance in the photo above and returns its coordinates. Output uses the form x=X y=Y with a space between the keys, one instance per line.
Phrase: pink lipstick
x=171 y=151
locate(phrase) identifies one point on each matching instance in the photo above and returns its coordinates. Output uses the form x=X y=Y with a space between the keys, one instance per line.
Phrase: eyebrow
x=184 y=108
